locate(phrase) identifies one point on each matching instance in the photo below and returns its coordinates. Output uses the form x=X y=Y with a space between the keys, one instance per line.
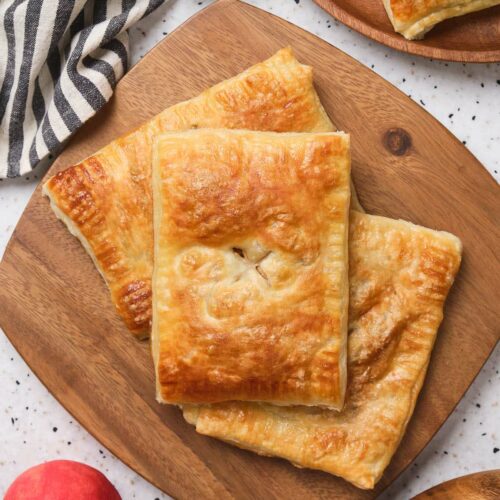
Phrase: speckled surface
x=464 y=97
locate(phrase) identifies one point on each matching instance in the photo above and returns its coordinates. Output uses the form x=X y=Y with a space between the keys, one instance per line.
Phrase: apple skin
x=62 y=480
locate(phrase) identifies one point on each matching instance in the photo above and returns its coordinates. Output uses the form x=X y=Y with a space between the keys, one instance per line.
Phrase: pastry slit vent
x=262 y=273
x=239 y=252
x=253 y=263
x=263 y=257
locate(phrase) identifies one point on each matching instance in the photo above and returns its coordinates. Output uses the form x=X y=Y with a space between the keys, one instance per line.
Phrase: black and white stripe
x=60 y=61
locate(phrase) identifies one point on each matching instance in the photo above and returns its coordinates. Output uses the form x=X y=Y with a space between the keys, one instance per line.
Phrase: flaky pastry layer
x=250 y=293
x=106 y=199
x=400 y=275
x=414 y=18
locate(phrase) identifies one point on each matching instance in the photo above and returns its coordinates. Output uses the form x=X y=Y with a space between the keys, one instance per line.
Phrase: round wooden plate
x=471 y=38
x=56 y=310
x=479 y=486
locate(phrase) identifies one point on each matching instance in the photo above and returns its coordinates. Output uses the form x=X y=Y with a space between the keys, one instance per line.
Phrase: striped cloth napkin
x=59 y=63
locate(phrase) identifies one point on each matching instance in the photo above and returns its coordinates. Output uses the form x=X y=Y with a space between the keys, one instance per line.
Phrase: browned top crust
x=250 y=294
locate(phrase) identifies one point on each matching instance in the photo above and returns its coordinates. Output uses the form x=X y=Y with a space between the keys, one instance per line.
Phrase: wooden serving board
x=471 y=38
x=56 y=310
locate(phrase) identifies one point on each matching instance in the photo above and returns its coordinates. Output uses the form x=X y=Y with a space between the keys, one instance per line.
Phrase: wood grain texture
x=479 y=486
x=57 y=312
x=471 y=38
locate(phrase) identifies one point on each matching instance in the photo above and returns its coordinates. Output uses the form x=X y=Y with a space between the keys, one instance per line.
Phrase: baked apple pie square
x=250 y=280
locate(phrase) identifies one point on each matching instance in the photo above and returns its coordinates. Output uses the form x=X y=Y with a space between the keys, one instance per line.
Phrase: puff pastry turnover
x=250 y=294
x=106 y=199
x=399 y=276
x=414 y=18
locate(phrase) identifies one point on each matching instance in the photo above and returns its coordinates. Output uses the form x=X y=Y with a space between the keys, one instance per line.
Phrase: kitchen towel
x=60 y=61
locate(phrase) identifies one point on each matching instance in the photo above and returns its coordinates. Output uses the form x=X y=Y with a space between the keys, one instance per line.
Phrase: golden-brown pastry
x=399 y=276
x=105 y=200
x=250 y=292
x=414 y=18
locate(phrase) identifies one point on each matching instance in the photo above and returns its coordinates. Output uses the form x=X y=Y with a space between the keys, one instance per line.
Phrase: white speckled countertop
x=464 y=97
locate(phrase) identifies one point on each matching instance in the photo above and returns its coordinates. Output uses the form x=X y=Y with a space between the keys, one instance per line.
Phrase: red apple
x=62 y=480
